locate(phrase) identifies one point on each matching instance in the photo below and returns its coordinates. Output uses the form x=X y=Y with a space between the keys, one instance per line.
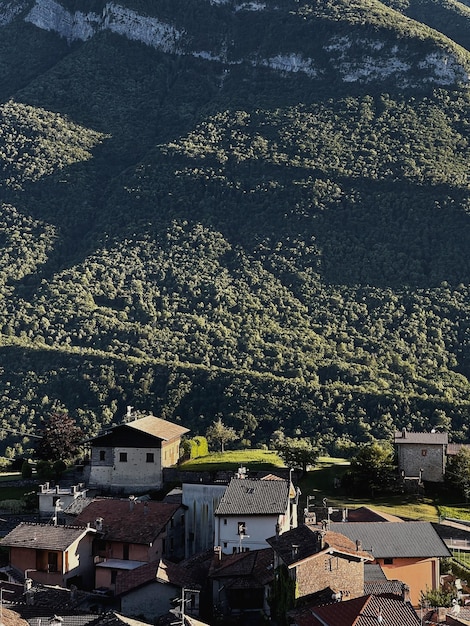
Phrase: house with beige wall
x=406 y=551
x=52 y=555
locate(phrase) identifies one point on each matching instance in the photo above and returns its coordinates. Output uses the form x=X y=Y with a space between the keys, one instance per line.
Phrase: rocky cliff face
x=354 y=59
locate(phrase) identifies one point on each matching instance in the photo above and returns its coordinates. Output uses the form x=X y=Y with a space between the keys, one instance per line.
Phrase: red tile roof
x=137 y=522
x=362 y=611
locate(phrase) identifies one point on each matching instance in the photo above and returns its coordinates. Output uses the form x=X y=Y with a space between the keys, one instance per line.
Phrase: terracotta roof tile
x=362 y=611
x=137 y=522
x=304 y=541
x=245 y=569
x=158 y=427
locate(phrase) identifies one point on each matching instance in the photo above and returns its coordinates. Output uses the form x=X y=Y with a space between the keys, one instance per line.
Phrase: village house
x=407 y=551
x=151 y=589
x=52 y=555
x=252 y=510
x=129 y=533
x=242 y=582
x=130 y=457
x=421 y=456
x=312 y=560
x=53 y=500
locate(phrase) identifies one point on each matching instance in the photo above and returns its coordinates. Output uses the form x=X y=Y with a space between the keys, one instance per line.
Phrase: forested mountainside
x=258 y=210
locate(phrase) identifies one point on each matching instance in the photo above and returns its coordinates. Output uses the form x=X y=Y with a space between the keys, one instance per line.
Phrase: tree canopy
x=221 y=434
x=61 y=438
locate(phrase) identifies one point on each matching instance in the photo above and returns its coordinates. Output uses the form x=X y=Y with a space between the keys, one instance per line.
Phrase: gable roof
x=243 y=570
x=130 y=522
x=405 y=436
x=158 y=427
x=303 y=542
x=366 y=514
x=44 y=536
x=245 y=496
x=395 y=539
x=151 y=426
x=192 y=572
x=362 y=611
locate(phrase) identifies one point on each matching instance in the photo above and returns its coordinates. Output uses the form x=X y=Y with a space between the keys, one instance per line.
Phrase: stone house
x=130 y=457
x=316 y=560
x=421 y=456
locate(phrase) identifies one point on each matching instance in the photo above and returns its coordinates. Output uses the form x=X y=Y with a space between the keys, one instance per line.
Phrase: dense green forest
x=259 y=211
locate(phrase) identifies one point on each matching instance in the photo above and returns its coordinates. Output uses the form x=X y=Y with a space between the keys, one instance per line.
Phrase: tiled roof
x=157 y=427
x=304 y=541
x=43 y=603
x=454 y=448
x=405 y=436
x=384 y=587
x=245 y=569
x=12 y=618
x=395 y=539
x=366 y=514
x=373 y=571
x=44 y=536
x=362 y=611
x=112 y=618
x=131 y=522
x=244 y=496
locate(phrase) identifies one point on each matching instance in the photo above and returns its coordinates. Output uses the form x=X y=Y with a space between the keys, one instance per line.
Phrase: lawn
x=319 y=484
x=233 y=459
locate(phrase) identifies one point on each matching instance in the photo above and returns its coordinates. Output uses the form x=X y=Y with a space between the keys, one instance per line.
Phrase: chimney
x=405 y=593
x=403 y=433
x=99 y=524
x=320 y=540
x=358 y=545
x=217 y=553
x=295 y=551
x=131 y=503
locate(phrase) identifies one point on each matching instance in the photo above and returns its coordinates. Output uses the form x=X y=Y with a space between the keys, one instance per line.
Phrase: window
x=150 y=457
x=102 y=455
x=123 y=457
x=388 y=561
x=52 y=562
